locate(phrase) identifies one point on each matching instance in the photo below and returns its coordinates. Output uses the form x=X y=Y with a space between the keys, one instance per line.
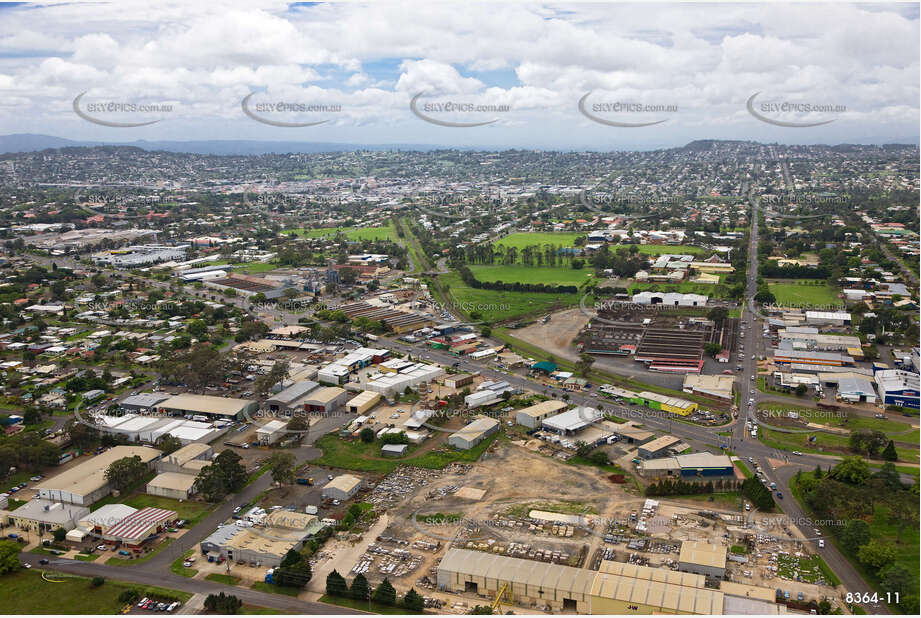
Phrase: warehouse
x=389 y=384
x=571 y=421
x=702 y=558
x=208 y=405
x=458 y=380
x=342 y=487
x=628 y=432
x=693 y=466
x=105 y=517
x=136 y=528
x=86 y=482
x=326 y=400
x=657 y=448
x=394 y=450
x=363 y=402
x=710 y=386
x=264 y=545
x=616 y=588
x=142 y=402
x=482 y=398
x=271 y=432
x=809 y=358
x=38 y=515
x=898 y=388
x=291 y=398
x=474 y=433
x=174 y=485
x=183 y=460
x=150 y=428
x=655 y=401
x=532 y=416
x=834 y=318
x=856 y=389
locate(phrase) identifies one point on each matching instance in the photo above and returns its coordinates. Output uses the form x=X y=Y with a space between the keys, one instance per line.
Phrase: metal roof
x=140 y=522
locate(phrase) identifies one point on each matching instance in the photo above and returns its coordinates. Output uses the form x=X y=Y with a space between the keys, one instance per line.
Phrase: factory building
x=208 y=405
x=702 y=559
x=655 y=401
x=271 y=432
x=856 y=389
x=834 y=318
x=291 y=398
x=150 y=428
x=172 y=485
x=532 y=416
x=473 y=433
x=178 y=471
x=710 y=386
x=39 y=516
x=325 y=400
x=86 y=482
x=658 y=447
x=408 y=376
x=265 y=544
x=693 y=466
x=363 y=402
x=342 y=487
x=616 y=588
x=810 y=358
x=572 y=421
x=142 y=402
x=136 y=528
x=898 y=388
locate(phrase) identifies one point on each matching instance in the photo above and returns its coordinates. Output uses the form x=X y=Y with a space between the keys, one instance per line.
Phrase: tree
x=359 y=588
x=224 y=476
x=32 y=416
x=9 y=557
x=855 y=534
x=276 y=374
x=584 y=364
x=866 y=441
x=169 y=443
x=59 y=535
x=223 y=603
x=903 y=511
x=384 y=593
x=877 y=554
x=282 y=466
x=294 y=575
x=300 y=424
x=718 y=314
x=889 y=476
x=412 y=600
x=889 y=453
x=800 y=390
x=97 y=581
x=713 y=349
x=126 y=472
x=480 y=610
x=336 y=586
x=82 y=436
x=366 y=435
x=853 y=470
x=896 y=578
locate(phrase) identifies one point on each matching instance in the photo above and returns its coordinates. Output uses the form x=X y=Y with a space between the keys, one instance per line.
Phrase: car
x=330 y=477
x=797 y=453
x=748 y=507
x=102 y=547
x=27 y=565
x=161 y=606
x=817 y=531
x=143 y=602
x=751 y=460
x=172 y=606
x=43 y=561
x=753 y=357
x=821 y=543
x=246 y=445
x=780 y=495
x=237 y=509
x=186 y=564
x=123 y=552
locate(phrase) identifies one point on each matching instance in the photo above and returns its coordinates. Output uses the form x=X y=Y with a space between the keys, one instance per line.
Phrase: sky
x=584 y=76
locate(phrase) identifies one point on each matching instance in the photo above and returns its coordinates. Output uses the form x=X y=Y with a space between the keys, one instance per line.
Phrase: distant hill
x=28 y=142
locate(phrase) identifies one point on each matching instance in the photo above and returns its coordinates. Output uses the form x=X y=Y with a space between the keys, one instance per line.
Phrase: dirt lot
x=556 y=336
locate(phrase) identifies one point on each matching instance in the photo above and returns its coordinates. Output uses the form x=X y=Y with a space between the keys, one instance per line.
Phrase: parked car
x=143 y=602
x=102 y=547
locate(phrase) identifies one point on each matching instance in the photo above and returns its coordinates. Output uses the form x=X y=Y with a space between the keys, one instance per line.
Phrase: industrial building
x=394 y=450
x=898 y=388
x=342 y=487
x=693 y=466
x=708 y=385
x=616 y=588
x=656 y=401
x=532 y=416
x=265 y=544
x=325 y=400
x=141 y=255
x=572 y=421
x=474 y=433
x=702 y=558
x=135 y=529
x=86 y=482
x=178 y=471
x=657 y=447
x=40 y=516
x=363 y=402
x=291 y=398
x=409 y=376
x=834 y=318
x=208 y=405
x=856 y=389
x=150 y=428
x=142 y=402
x=271 y=432
x=809 y=358
x=458 y=380
x=172 y=485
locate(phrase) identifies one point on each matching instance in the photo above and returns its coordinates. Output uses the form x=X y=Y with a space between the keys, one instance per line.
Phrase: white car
x=797 y=453
x=102 y=547
x=821 y=543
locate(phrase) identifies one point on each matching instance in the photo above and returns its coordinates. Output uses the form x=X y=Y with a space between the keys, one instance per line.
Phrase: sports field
x=527 y=274
x=670 y=249
x=495 y=305
x=528 y=239
x=386 y=232
x=806 y=294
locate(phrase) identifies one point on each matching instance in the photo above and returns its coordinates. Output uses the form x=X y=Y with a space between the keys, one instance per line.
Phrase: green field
x=685 y=287
x=386 y=232
x=836 y=444
x=273 y=589
x=670 y=249
x=221 y=578
x=25 y=592
x=177 y=568
x=558 y=275
x=520 y=240
x=805 y=294
x=494 y=305
x=366 y=457
x=190 y=511
x=365 y=606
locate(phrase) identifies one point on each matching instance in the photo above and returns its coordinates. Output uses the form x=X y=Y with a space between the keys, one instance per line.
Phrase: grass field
x=528 y=239
x=221 y=578
x=366 y=457
x=365 y=606
x=190 y=511
x=805 y=294
x=495 y=306
x=273 y=589
x=670 y=249
x=559 y=275
x=177 y=568
x=685 y=287
x=25 y=592
x=386 y=232
x=824 y=443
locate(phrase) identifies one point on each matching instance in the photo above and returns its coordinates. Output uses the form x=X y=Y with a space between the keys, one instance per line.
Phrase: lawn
x=669 y=249
x=221 y=578
x=252 y=609
x=365 y=606
x=805 y=294
x=495 y=306
x=25 y=592
x=519 y=273
x=529 y=239
x=685 y=287
x=274 y=589
x=177 y=568
x=365 y=457
x=386 y=232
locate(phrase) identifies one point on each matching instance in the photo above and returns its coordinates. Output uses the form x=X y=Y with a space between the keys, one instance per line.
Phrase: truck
x=305 y=481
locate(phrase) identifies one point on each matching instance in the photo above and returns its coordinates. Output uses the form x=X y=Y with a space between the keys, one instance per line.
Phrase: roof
x=703 y=554
x=289 y=519
x=855 y=384
x=343 y=482
x=545 y=366
x=108 y=515
x=187 y=453
x=326 y=394
x=56 y=512
x=543 y=408
x=206 y=403
x=704 y=460
x=573 y=420
x=140 y=522
x=90 y=475
x=294 y=392
x=144 y=400
x=660 y=443
x=173 y=480
x=675 y=402
x=897 y=380
x=394 y=448
x=475 y=429
x=272 y=427
x=364 y=397
x=670 y=590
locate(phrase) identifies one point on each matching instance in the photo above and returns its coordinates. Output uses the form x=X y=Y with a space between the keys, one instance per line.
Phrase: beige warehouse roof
x=324 y=395
x=172 y=480
x=343 y=482
x=569 y=581
x=187 y=453
x=660 y=443
x=206 y=403
x=543 y=408
x=704 y=554
x=90 y=475
x=364 y=397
